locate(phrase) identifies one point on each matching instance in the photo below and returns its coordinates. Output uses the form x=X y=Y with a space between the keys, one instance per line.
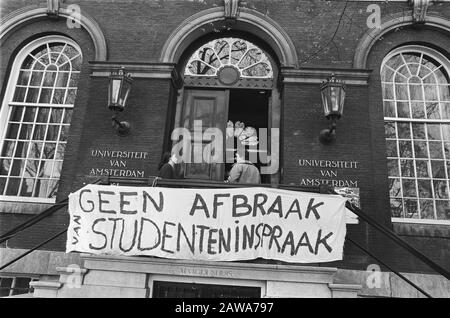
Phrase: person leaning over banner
x=244 y=171
x=168 y=166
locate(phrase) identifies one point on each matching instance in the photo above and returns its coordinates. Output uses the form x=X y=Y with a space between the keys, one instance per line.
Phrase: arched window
x=416 y=100
x=35 y=118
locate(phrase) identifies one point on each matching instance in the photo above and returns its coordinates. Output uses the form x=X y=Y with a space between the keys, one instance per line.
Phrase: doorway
x=246 y=110
x=163 y=289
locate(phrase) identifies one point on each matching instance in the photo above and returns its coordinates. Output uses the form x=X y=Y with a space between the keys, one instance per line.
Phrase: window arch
x=35 y=118
x=416 y=104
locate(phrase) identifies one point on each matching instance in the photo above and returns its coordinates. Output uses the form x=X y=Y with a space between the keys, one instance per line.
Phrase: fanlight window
x=229 y=55
x=416 y=98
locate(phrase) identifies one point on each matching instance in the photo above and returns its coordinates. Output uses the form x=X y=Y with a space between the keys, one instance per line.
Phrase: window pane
x=49 y=150
x=420 y=149
x=27 y=187
x=5 y=165
x=404 y=131
x=445 y=107
x=422 y=168
x=30 y=114
x=444 y=93
x=431 y=92
x=8 y=148
x=405 y=149
x=24 y=77
x=418 y=131
x=415 y=92
x=58 y=96
x=60 y=151
x=393 y=168
x=440 y=189
x=443 y=210
x=411 y=208
x=16 y=113
x=13 y=130
x=62 y=79
x=401 y=92
x=432 y=110
x=46 y=95
x=70 y=98
x=35 y=150
x=391 y=148
x=436 y=150
x=67 y=116
x=407 y=168
x=389 y=109
x=418 y=109
x=26 y=131
x=45 y=169
x=39 y=132
x=43 y=113
x=426 y=209
x=395 y=190
x=13 y=186
x=31 y=168
x=41 y=188
x=36 y=78
x=403 y=110
x=19 y=94
x=56 y=115
x=52 y=132
x=389 y=130
x=21 y=149
x=438 y=169
x=424 y=188
x=434 y=131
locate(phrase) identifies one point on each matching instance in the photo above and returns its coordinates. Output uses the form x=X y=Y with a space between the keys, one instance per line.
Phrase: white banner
x=207 y=224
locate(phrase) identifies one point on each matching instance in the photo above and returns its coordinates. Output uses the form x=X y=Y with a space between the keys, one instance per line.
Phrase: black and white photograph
x=224 y=156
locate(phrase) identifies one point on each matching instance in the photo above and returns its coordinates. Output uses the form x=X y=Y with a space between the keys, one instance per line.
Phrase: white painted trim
x=421 y=221
x=29 y=13
x=136 y=70
x=319 y=75
x=9 y=198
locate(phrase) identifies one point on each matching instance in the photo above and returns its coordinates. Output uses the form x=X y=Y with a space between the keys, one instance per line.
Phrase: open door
x=210 y=107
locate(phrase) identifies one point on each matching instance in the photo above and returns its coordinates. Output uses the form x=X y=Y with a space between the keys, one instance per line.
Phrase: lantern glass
x=333 y=97
x=119 y=89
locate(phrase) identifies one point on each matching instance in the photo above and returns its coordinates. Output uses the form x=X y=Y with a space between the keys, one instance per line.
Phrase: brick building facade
x=307 y=41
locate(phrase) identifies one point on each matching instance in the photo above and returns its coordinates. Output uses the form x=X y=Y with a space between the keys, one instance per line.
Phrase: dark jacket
x=244 y=172
x=167 y=172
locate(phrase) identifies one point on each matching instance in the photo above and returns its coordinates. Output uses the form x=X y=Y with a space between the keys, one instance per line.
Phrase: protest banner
x=207 y=224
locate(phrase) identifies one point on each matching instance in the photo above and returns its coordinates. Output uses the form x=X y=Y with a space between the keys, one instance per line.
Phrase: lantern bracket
x=122 y=127
x=327 y=136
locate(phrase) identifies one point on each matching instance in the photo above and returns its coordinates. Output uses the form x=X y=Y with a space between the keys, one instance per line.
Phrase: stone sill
x=422 y=230
x=17 y=207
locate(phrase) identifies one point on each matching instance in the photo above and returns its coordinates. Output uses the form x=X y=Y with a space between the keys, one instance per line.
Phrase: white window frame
x=445 y=62
x=5 y=109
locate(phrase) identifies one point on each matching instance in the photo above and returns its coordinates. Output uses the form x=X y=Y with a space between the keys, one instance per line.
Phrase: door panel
x=208 y=109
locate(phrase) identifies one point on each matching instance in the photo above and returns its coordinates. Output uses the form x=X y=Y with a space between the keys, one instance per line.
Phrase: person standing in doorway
x=244 y=171
x=167 y=166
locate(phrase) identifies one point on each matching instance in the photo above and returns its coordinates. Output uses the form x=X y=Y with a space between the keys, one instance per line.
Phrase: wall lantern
x=333 y=97
x=118 y=92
